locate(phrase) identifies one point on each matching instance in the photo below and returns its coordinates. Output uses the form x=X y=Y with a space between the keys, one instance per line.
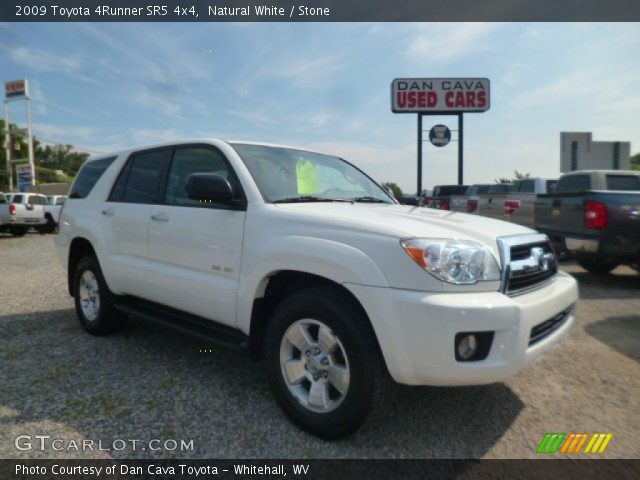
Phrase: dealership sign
x=25 y=174
x=16 y=89
x=439 y=95
x=440 y=135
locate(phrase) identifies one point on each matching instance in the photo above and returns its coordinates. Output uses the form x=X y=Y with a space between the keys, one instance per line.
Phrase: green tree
x=397 y=191
x=62 y=157
x=47 y=159
x=18 y=149
x=635 y=162
x=516 y=176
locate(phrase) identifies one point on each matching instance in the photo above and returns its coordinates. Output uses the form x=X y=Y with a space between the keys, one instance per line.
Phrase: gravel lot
x=145 y=384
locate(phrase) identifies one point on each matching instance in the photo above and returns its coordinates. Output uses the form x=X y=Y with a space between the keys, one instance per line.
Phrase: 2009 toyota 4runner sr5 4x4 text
x=310 y=265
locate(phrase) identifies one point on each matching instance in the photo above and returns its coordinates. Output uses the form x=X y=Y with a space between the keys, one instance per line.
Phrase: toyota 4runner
x=307 y=263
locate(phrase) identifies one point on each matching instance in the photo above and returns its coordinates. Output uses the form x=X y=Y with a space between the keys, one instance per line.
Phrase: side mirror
x=209 y=187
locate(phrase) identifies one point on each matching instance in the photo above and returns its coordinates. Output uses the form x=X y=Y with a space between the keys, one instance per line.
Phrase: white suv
x=307 y=263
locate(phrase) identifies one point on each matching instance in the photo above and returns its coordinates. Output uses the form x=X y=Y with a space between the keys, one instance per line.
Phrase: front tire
x=324 y=363
x=93 y=299
x=597 y=266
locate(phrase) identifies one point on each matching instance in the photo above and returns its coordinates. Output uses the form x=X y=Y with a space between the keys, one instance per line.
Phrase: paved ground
x=152 y=384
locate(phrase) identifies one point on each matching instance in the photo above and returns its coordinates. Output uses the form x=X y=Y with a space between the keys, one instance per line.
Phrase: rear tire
x=334 y=374
x=597 y=266
x=93 y=299
x=18 y=231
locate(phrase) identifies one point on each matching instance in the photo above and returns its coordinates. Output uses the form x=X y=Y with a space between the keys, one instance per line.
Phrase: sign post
x=440 y=96
x=18 y=90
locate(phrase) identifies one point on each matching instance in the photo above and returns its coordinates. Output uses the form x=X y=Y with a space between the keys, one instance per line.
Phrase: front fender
x=333 y=260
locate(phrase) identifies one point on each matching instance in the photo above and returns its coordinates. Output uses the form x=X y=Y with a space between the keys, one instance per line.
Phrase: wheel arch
x=79 y=248
x=277 y=286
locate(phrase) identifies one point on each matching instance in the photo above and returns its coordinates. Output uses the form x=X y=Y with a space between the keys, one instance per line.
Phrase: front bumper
x=416 y=330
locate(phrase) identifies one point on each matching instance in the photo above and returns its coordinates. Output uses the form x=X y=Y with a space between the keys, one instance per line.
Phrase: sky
x=325 y=86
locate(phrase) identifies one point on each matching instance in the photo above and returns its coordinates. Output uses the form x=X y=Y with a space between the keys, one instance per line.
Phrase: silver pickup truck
x=513 y=202
x=519 y=204
x=21 y=211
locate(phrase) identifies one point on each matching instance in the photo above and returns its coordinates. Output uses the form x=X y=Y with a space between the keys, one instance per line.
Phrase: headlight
x=462 y=262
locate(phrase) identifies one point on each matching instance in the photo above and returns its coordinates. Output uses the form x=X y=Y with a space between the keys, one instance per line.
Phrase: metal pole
x=29 y=134
x=419 y=154
x=7 y=146
x=460 y=154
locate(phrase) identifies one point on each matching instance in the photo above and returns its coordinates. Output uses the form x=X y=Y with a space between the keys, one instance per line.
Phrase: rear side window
x=478 y=189
x=139 y=181
x=88 y=176
x=573 y=183
x=37 y=200
x=527 y=186
x=551 y=185
x=16 y=199
x=623 y=182
x=500 y=188
x=2 y=199
x=448 y=190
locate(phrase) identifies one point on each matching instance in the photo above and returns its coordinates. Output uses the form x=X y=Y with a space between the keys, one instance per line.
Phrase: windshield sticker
x=307 y=177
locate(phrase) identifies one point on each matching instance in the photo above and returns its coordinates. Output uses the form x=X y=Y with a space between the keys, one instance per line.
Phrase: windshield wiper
x=310 y=198
x=368 y=200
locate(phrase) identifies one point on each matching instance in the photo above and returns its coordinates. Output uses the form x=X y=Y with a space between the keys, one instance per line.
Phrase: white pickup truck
x=21 y=211
x=304 y=261
x=52 y=212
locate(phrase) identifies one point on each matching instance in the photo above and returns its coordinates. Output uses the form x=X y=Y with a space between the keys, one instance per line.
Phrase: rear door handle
x=159 y=217
x=108 y=212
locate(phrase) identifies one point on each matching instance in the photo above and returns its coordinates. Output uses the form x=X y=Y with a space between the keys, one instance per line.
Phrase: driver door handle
x=108 y=212
x=159 y=217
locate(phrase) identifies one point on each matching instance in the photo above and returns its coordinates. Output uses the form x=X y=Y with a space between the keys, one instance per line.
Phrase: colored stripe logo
x=574 y=443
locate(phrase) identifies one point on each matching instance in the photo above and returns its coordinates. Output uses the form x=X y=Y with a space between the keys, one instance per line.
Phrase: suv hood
x=405 y=221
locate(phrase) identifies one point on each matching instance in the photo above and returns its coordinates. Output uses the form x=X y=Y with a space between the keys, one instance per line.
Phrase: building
x=578 y=151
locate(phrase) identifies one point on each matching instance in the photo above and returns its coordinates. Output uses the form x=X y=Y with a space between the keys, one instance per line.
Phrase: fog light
x=467 y=347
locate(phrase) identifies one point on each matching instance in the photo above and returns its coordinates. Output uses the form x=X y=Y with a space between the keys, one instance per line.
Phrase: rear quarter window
x=500 y=188
x=623 y=182
x=37 y=200
x=88 y=176
x=573 y=184
x=2 y=199
x=526 y=186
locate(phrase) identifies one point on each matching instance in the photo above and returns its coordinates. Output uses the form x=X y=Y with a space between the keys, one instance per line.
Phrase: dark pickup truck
x=594 y=216
x=441 y=196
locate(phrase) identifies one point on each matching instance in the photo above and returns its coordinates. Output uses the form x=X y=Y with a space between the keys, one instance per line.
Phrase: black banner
x=318 y=10
x=319 y=469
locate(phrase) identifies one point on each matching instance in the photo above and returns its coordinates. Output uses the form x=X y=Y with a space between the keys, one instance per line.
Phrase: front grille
x=531 y=265
x=547 y=327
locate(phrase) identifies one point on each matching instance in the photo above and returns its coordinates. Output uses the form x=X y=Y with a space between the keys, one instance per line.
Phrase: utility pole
x=7 y=145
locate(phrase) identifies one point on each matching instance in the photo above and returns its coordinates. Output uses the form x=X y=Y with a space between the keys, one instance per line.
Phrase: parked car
x=519 y=204
x=408 y=199
x=23 y=211
x=52 y=212
x=304 y=261
x=468 y=202
x=441 y=196
x=594 y=215
x=491 y=203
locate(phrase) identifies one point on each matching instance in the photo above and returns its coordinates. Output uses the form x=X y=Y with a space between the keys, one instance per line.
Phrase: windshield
x=290 y=175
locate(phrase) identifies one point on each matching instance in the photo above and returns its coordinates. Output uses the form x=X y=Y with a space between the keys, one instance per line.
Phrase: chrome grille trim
x=505 y=245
